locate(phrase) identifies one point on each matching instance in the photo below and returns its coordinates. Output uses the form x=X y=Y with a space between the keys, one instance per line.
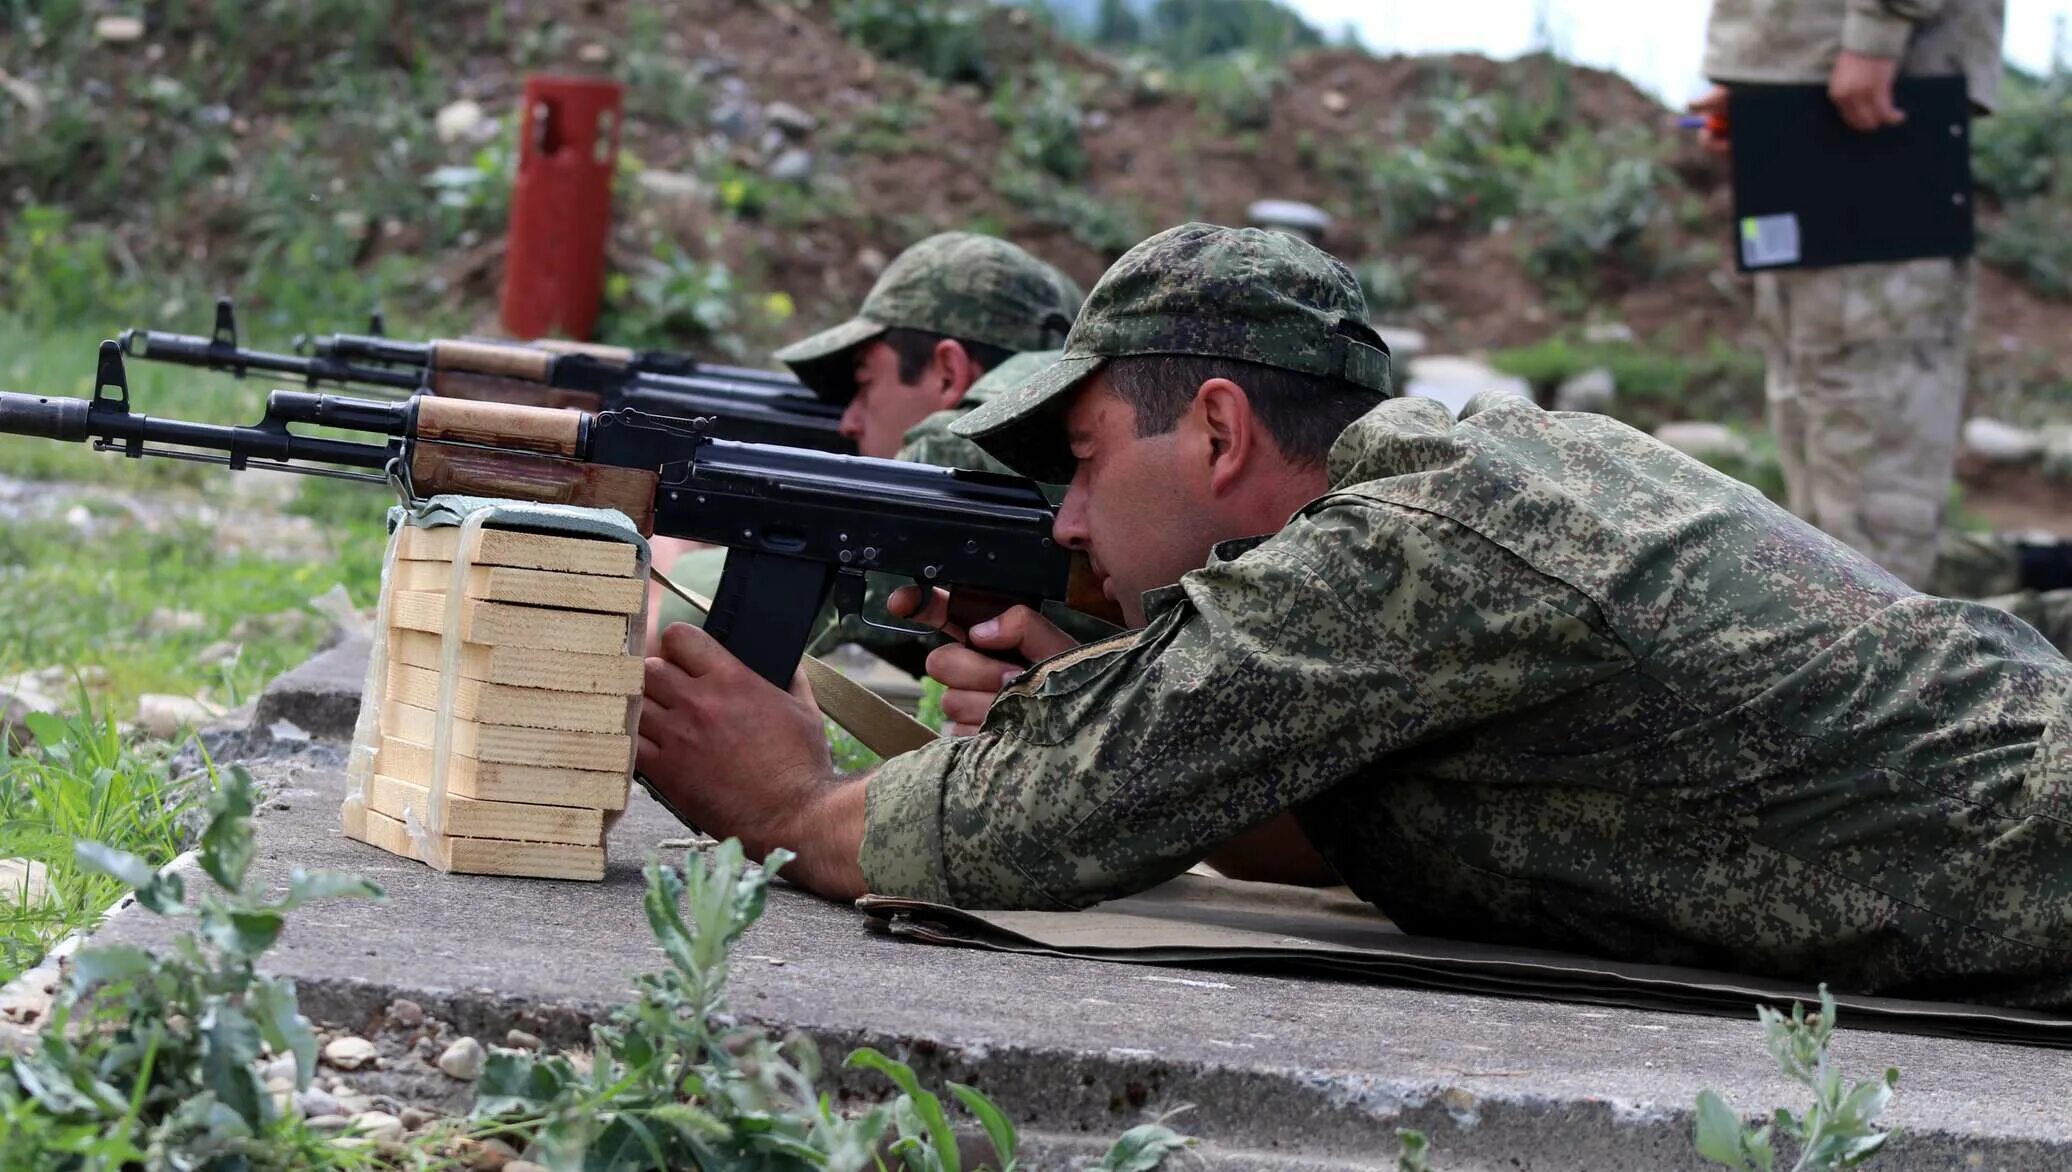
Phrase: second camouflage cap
x=958 y=284
x=1242 y=293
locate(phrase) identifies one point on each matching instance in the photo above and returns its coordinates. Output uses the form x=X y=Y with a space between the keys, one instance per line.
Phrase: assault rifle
x=748 y=410
x=800 y=526
x=379 y=347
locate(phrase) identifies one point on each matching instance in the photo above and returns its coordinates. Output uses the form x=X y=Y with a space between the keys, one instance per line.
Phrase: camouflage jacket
x=1796 y=41
x=1537 y=679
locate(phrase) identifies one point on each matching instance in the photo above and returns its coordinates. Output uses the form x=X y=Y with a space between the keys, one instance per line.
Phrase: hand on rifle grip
x=990 y=652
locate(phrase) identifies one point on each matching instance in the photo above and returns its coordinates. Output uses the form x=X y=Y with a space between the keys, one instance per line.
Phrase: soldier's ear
x=951 y=371
x=1223 y=414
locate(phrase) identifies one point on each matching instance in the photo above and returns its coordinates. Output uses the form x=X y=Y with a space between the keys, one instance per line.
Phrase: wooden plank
x=512 y=547
x=502 y=623
x=597 y=592
x=497 y=781
x=380 y=830
x=475 y=818
x=523 y=707
x=605 y=752
x=489 y=856
x=529 y=860
x=525 y=667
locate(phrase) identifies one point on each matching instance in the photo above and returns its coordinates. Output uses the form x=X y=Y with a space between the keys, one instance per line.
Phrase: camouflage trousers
x=1983 y=566
x=1866 y=392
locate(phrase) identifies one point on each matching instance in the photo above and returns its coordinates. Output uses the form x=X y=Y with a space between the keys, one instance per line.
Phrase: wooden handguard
x=437 y=468
x=615 y=355
x=459 y=384
x=488 y=358
x=500 y=425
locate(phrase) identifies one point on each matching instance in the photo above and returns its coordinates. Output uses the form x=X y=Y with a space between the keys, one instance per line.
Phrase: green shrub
x=1589 y=201
x=944 y=39
x=2034 y=242
x=2021 y=149
x=1042 y=117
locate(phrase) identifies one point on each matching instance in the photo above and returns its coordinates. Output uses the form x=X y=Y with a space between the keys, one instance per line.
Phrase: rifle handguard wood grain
x=615 y=355
x=488 y=358
x=501 y=425
x=461 y=384
x=472 y=471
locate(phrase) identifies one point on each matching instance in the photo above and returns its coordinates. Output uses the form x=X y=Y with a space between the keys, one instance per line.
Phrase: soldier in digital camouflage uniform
x=942 y=316
x=1523 y=677
x=1866 y=362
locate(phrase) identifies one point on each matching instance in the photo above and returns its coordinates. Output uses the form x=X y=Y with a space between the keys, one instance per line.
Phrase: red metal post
x=561 y=206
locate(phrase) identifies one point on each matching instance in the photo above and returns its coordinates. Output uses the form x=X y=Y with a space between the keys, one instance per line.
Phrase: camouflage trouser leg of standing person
x=1866 y=390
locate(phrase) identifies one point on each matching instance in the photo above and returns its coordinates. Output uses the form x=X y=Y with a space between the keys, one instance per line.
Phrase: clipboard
x=1809 y=192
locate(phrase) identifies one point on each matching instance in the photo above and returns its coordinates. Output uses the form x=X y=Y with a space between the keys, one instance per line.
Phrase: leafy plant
x=672 y=1084
x=152 y=1059
x=1416 y=1148
x=2034 y=242
x=1836 y=1131
x=1235 y=88
x=82 y=781
x=943 y=39
x=1589 y=202
x=1042 y=118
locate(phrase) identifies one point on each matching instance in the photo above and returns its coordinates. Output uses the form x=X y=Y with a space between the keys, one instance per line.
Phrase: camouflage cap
x=1247 y=294
x=958 y=284
x=1011 y=374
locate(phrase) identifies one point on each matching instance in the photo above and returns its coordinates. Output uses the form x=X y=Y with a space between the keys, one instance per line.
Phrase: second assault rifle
x=800 y=527
x=749 y=410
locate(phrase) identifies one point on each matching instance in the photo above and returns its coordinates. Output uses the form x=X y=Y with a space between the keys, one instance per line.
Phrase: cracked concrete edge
x=1074 y=1101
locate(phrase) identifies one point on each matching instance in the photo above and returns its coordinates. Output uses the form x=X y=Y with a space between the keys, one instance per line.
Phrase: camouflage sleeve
x=1882 y=28
x=1264 y=680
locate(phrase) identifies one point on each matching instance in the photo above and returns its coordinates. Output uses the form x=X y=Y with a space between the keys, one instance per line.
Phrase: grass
x=82 y=781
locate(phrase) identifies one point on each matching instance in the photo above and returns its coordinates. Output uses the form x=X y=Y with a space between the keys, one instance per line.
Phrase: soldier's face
x=885 y=405
x=1134 y=507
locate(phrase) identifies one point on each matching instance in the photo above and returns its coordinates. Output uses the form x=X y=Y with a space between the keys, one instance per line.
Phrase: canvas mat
x=1206 y=920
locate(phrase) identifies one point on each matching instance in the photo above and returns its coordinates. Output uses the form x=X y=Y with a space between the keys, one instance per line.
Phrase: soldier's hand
x=991 y=653
x=1861 y=89
x=1714 y=106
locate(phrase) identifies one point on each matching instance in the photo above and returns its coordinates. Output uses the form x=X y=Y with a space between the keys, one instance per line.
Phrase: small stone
x=1589 y=390
x=23 y=882
x=317 y=1103
x=118 y=30
x=379 y=1126
x=2001 y=443
x=1701 y=440
x=1607 y=333
x=167 y=621
x=280 y=1086
x=416 y=1118
x=673 y=186
x=489 y=1155
x=791 y=166
x=458 y=120
x=524 y=1166
x=350 y=1053
x=790 y=119
x=219 y=652
x=594 y=54
x=463 y=1060
x=520 y=1040
x=164 y=716
x=282 y=1067
x=1335 y=102
x=283 y=1103
x=326 y=1122
x=356 y=1104
x=405 y=1014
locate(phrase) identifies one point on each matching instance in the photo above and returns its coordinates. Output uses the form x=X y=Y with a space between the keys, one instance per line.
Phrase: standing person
x=1866 y=362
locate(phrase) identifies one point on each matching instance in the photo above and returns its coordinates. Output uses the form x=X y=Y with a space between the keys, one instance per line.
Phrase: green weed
x=672 y=1083
x=82 y=780
x=151 y=1059
x=2034 y=242
x=1656 y=381
x=1836 y=1131
x=942 y=39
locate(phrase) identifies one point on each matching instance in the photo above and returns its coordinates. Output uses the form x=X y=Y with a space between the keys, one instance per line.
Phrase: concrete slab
x=1282 y=1072
x=322 y=696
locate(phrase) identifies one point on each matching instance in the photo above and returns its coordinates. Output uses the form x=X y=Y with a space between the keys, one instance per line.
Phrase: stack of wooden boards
x=544 y=697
